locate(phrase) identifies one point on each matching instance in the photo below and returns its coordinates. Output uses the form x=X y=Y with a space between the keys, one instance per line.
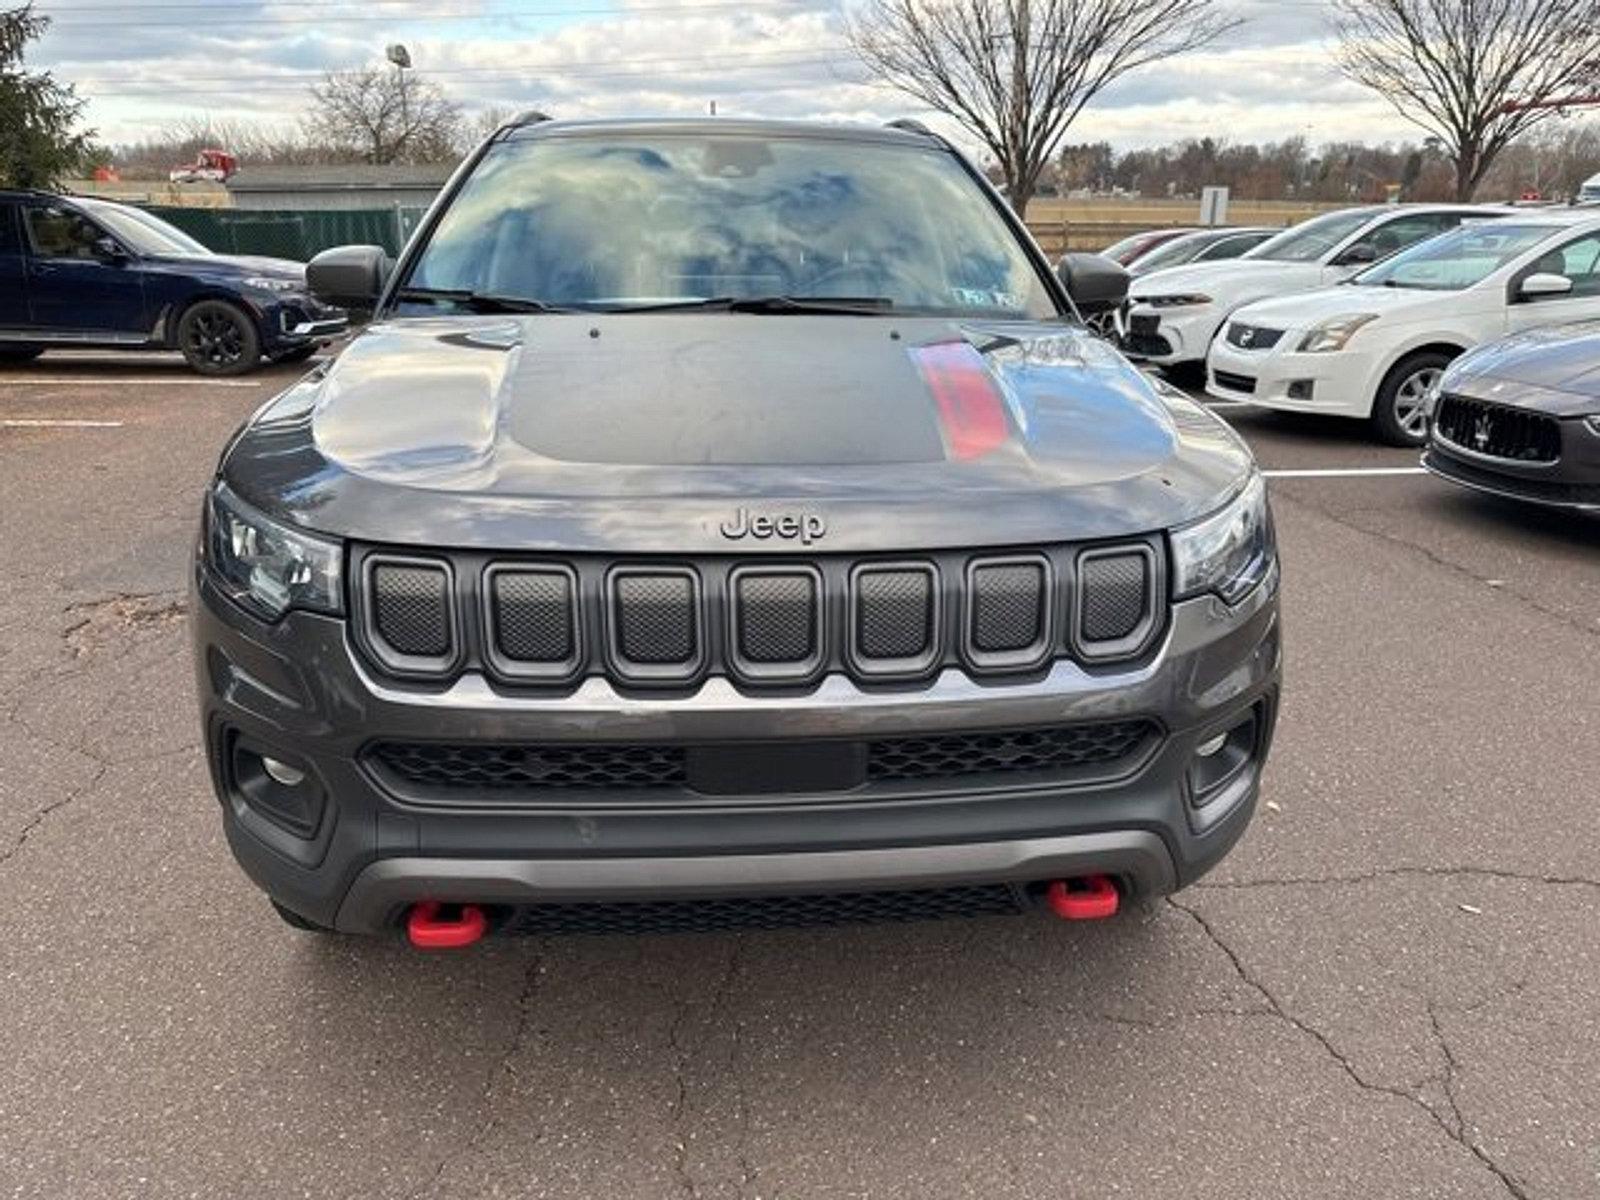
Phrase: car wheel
x=1397 y=413
x=19 y=354
x=295 y=921
x=217 y=338
x=298 y=355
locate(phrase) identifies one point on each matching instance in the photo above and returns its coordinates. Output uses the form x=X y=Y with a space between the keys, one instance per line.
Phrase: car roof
x=908 y=134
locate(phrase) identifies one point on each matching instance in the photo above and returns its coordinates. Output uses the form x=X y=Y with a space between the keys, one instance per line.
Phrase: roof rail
x=911 y=125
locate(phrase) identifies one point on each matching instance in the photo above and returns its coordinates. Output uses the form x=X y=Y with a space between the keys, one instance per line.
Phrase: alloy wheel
x=1408 y=400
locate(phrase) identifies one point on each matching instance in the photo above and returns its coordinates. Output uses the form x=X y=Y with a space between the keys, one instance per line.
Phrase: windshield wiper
x=480 y=302
x=842 y=305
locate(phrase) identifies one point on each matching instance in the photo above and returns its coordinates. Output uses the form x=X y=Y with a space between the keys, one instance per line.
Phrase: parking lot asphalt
x=1389 y=989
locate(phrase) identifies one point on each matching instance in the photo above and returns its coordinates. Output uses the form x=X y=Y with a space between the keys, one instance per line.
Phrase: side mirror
x=1359 y=255
x=1097 y=284
x=1543 y=284
x=106 y=249
x=349 y=276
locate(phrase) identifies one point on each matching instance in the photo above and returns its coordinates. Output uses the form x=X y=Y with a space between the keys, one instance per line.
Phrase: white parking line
x=56 y=423
x=120 y=381
x=1340 y=472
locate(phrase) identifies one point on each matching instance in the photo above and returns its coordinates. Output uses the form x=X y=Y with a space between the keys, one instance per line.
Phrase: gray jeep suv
x=728 y=522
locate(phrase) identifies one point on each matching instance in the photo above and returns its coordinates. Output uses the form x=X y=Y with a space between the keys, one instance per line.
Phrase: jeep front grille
x=495 y=773
x=551 y=622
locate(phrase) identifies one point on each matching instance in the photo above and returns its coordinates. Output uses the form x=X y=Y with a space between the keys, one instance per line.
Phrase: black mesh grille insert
x=1007 y=606
x=1115 y=595
x=776 y=617
x=499 y=768
x=1007 y=750
x=894 y=612
x=411 y=609
x=766 y=912
x=1498 y=430
x=533 y=615
x=656 y=622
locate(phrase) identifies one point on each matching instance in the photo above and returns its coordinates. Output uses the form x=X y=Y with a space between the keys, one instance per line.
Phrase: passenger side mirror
x=106 y=249
x=1544 y=284
x=349 y=276
x=1359 y=255
x=1097 y=284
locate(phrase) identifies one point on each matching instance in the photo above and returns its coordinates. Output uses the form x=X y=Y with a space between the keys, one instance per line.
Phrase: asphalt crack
x=1403 y=872
x=686 y=1055
x=1455 y=1131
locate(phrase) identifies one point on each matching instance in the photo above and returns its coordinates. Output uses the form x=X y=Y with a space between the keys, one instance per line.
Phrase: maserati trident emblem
x=1480 y=432
x=804 y=526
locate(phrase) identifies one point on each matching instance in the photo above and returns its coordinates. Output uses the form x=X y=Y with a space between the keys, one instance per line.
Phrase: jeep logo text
x=808 y=527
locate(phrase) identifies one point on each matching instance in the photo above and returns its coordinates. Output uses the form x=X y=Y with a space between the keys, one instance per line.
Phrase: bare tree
x=1016 y=73
x=384 y=116
x=1466 y=71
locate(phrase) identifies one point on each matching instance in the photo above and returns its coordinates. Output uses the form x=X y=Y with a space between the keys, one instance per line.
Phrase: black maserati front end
x=1520 y=418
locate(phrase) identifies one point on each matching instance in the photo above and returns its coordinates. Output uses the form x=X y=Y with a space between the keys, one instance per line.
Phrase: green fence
x=295 y=234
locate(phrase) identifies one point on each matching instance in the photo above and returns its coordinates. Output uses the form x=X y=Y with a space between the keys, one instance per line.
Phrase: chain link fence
x=296 y=235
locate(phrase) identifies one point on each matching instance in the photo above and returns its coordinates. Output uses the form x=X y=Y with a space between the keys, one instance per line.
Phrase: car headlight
x=268 y=283
x=1228 y=553
x=1333 y=333
x=1184 y=300
x=267 y=567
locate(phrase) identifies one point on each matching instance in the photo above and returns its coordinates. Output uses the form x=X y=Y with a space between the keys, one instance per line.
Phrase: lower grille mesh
x=954 y=754
x=766 y=912
x=492 y=768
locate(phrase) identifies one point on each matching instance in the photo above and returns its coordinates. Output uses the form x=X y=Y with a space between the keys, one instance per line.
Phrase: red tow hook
x=428 y=931
x=1087 y=899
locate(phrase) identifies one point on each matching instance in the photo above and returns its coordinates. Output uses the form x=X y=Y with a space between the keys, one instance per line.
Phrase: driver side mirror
x=107 y=250
x=349 y=276
x=1097 y=284
x=1543 y=284
x=1360 y=255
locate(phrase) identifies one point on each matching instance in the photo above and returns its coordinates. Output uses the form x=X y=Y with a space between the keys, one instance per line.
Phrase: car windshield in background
x=144 y=233
x=1456 y=260
x=1310 y=240
x=672 y=220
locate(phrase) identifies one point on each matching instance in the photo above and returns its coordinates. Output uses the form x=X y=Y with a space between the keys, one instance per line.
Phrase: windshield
x=144 y=233
x=1310 y=240
x=1172 y=254
x=660 y=219
x=1457 y=259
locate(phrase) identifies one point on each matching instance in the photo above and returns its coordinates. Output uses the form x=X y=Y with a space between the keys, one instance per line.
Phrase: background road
x=1388 y=990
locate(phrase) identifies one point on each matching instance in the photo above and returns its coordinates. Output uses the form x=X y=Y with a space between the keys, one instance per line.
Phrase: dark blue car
x=82 y=272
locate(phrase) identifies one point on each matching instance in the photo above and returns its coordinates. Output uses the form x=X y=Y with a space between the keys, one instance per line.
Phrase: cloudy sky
x=146 y=64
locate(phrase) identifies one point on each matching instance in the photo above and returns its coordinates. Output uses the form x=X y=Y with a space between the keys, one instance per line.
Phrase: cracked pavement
x=1389 y=989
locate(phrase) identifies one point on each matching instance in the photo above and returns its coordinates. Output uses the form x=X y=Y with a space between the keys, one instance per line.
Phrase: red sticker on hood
x=972 y=414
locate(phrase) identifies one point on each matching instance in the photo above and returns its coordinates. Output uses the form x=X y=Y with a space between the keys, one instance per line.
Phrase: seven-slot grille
x=671 y=624
x=1498 y=430
x=1252 y=337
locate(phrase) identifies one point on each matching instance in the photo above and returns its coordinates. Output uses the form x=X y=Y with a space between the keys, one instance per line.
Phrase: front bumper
x=1572 y=482
x=297 y=691
x=1179 y=335
x=1337 y=383
x=298 y=321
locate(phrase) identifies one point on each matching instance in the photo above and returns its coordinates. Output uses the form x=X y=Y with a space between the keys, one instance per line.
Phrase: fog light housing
x=1301 y=389
x=1220 y=762
x=277 y=788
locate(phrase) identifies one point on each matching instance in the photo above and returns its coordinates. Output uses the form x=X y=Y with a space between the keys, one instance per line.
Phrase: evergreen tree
x=39 y=140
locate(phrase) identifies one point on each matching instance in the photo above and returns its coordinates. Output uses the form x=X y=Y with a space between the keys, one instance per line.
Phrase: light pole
x=401 y=58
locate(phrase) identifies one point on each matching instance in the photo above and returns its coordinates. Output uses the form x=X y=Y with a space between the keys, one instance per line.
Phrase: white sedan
x=1175 y=314
x=1375 y=346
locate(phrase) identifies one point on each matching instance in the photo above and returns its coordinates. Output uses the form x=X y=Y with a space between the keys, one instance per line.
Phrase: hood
x=1309 y=308
x=1556 y=369
x=239 y=266
x=1232 y=273
x=650 y=432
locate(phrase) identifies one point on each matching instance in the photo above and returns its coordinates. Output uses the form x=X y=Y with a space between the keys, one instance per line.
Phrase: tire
x=20 y=354
x=298 y=355
x=218 y=338
x=295 y=921
x=1397 y=411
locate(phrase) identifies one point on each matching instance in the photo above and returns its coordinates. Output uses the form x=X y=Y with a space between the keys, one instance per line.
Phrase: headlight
x=1187 y=300
x=1332 y=334
x=1229 y=552
x=268 y=283
x=268 y=567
